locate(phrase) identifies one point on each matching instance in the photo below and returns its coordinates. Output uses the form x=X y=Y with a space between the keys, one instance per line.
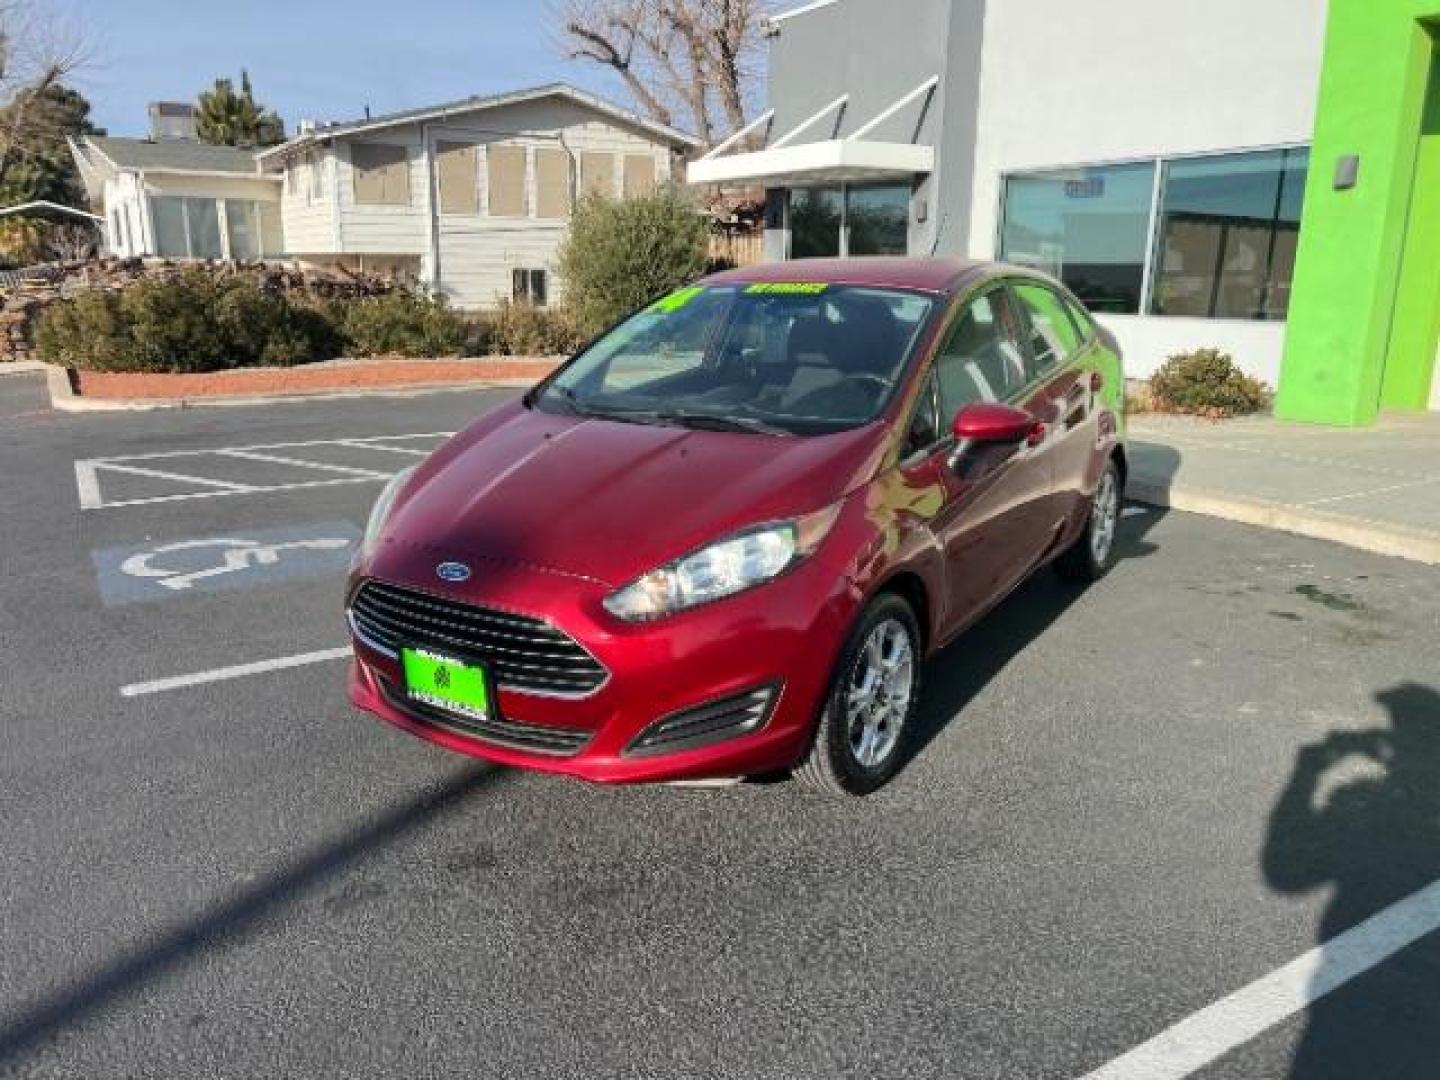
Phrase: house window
x=1086 y=226
x=1228 y=230
x=530 y=287
x=639 y=175
x=168 y=216
x=314 y=178
x=242 y=229
x=597 y=174
x=189 y=228
x=458 y=174
x=382 y=174
x=552 y=183
x=202 y=222
x=505 y=178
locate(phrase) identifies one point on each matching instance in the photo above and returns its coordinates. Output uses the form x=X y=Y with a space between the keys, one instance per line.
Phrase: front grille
x=523 y=653
x=534 y=738
x=710 y=723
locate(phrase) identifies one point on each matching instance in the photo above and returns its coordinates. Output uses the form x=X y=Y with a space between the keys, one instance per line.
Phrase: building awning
x=853 y=159
x=834 y=161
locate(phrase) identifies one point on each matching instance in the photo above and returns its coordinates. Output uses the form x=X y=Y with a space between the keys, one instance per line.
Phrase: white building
x=1152 y=153
x=471 y=198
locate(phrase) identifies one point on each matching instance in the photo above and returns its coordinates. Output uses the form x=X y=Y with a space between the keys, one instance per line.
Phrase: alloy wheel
x=1104 y=517
x=877 y=699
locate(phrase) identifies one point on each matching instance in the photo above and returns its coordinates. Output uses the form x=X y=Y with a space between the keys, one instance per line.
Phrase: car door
x=993 y=493
x=1067 y=394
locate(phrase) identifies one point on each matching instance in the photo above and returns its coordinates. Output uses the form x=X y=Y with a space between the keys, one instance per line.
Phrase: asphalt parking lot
x=1129 y=804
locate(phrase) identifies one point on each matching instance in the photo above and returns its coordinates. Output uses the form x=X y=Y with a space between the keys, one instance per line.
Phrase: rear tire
x=871 y=703
x=1093 y=553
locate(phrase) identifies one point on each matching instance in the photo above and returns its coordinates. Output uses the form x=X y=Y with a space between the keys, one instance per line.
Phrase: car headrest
x=810 y=340
x=869 y=337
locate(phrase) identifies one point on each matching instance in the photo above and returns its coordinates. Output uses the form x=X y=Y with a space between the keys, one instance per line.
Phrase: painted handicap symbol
x=236 y=556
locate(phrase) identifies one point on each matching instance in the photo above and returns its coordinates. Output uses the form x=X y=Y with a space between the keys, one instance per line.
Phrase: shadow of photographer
x=1361 y=815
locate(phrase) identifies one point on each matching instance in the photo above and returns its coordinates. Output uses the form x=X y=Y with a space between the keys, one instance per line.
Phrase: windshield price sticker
x=676 y=300
x=786 y=288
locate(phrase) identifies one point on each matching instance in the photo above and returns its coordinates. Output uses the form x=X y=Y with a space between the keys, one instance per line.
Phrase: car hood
x=607 y=500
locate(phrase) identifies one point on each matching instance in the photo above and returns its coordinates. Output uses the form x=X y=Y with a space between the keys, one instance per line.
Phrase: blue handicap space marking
x=244 y=559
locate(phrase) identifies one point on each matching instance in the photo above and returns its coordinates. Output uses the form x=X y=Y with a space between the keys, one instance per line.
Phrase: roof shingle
x=181 y=154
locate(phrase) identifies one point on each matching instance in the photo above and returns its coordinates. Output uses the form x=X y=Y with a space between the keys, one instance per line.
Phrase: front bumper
x=783 y=636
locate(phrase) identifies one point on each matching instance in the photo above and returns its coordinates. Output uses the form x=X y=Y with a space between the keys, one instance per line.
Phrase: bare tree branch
x=691 y=55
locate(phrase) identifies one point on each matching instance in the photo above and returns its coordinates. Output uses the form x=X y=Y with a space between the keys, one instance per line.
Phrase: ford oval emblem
x=453 y=571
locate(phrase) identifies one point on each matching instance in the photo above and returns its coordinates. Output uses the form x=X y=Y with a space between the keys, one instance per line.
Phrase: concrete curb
x=1377 y=537
x=64 y=398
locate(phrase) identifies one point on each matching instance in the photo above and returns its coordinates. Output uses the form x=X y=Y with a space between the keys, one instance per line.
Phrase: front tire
x=871 y=704
x=1093 y=553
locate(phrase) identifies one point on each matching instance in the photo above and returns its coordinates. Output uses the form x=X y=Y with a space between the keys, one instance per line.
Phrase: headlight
x=381 y=510
x=724 y=568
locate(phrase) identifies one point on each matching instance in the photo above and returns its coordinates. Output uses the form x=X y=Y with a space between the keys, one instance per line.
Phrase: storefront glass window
x=878 y=219
x=1086 y=226
x=1227 y=235
x=815 y=219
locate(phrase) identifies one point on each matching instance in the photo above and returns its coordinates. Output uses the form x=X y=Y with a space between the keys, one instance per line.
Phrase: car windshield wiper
x=716 y=422
x=571 y=401
x=700 y=421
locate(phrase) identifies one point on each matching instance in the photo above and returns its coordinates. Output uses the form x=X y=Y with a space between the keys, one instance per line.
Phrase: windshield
x=771 y=357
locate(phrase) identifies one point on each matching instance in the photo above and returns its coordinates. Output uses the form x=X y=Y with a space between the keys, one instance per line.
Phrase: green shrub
x=399 y=323
x=520 y=329
x=86 y=332
x=623 y=254
x=173 y=325
x=1206 y=382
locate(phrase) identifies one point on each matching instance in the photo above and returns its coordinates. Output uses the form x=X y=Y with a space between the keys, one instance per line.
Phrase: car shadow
x=954 y=676
x=232 y=921
x=1360 y=817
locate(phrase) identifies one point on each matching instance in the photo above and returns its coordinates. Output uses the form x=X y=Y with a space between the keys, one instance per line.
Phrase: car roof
x=938 y=275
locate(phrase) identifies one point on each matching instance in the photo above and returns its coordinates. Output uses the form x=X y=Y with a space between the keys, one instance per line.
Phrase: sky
x=316 y=59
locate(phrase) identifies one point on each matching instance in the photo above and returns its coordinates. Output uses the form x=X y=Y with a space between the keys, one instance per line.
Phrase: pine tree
x=225 y=118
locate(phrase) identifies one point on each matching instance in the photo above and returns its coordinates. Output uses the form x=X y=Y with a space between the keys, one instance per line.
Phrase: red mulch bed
x=347 y=375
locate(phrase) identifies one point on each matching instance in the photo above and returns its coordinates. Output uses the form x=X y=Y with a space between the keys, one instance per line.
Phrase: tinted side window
x=1082 y=319
x=979 y=360
x=925 y=425
x=1051 y=335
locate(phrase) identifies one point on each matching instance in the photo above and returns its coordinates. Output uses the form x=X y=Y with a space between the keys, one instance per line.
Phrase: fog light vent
x=709 y=723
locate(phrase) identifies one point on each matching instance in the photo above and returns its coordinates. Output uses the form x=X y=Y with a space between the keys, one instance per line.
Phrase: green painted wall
x=1378 y=61
x=1410 y=356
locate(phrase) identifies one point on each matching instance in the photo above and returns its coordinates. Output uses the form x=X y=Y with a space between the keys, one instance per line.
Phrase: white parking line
x=190 y=468
x=275 y=459
x=1212 y=1032
x=158 y=474
x=357 y=444
x=238 y=671
x=186 y=495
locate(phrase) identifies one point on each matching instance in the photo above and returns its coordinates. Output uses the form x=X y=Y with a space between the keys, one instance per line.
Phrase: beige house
x=471 y=198
x=180 y=198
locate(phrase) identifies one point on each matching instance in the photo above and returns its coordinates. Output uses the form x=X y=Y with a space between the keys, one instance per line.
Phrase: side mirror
x=992 y=422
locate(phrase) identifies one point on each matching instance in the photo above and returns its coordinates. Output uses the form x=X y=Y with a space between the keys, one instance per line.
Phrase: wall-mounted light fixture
x=1347 y=171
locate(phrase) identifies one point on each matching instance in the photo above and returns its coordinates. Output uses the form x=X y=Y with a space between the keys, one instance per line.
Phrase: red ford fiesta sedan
x=720 y=540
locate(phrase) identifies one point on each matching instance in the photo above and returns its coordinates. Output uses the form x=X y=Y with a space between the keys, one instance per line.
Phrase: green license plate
x=446 y=683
